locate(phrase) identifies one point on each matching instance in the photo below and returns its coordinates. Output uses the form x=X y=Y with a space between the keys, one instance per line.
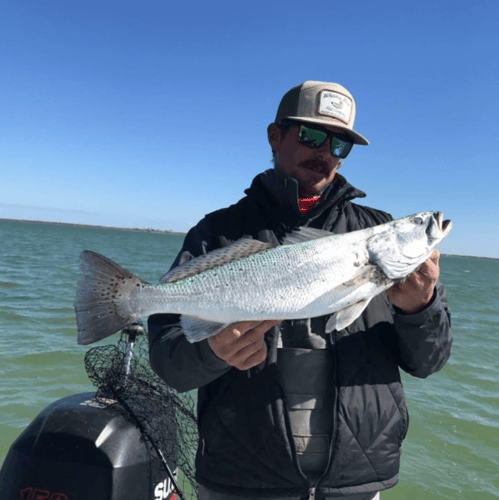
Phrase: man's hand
x=417 y=291
x=241 y=344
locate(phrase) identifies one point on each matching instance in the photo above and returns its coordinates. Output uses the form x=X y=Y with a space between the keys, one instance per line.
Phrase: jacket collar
x=279 y=196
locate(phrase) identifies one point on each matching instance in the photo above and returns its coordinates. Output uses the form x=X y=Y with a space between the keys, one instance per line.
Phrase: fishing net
x=165 y=419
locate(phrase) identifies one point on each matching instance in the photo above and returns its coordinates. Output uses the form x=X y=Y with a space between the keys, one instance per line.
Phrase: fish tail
x=101 y=304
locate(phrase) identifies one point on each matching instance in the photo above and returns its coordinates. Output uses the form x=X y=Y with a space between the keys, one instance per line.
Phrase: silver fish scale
x=288 y=282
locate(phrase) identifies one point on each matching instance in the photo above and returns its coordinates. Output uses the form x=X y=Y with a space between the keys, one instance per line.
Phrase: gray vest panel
x=306 y=377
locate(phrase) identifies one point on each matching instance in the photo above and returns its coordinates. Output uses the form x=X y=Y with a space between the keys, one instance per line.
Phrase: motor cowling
x=80 y=448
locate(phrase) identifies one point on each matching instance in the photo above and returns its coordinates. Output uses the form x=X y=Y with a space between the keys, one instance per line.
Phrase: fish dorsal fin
x=305 y=234
x=237 y=250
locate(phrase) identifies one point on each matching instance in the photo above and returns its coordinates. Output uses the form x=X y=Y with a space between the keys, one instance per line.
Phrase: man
x=286 y=410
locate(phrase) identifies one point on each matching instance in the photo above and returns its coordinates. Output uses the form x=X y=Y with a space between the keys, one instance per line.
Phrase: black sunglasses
x=315 y=136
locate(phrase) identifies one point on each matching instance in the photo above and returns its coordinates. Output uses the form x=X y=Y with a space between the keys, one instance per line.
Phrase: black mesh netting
x=165 y=419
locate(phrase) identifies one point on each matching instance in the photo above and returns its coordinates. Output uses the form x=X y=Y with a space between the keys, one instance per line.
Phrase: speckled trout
x=313 y=273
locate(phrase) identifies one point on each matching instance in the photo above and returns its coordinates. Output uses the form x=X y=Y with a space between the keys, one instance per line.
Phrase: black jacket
x=245 y=437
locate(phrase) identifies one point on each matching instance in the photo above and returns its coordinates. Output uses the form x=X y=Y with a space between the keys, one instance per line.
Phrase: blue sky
x=152 y=114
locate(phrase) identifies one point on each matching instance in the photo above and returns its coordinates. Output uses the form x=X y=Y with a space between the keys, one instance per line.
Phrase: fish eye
x=418 y=220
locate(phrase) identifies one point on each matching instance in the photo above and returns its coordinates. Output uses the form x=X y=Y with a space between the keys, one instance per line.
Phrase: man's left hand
x=417 y=291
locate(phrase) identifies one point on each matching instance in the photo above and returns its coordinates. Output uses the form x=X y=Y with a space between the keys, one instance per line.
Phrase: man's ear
x=274 y=136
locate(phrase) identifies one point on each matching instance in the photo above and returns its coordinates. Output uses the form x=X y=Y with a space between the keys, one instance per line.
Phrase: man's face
x=312 y=168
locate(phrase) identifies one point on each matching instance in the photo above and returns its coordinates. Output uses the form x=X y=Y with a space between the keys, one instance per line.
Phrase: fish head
x=418 y=235
x=407 y=243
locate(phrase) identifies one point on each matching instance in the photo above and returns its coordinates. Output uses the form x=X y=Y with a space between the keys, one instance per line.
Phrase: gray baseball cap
x=322 y=103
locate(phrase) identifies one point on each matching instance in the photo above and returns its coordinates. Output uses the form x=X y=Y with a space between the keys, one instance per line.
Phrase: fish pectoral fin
x=369 y=273
x=383 y=250
x=196 y=329
x=346 y=316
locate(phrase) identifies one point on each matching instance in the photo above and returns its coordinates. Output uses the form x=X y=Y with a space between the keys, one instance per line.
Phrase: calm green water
x=451 y=451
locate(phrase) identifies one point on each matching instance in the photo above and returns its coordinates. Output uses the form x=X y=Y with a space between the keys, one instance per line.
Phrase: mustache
x=317 y=165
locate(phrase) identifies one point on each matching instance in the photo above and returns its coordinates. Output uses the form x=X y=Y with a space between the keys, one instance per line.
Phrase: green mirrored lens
x=338 y=147
x=311 y=137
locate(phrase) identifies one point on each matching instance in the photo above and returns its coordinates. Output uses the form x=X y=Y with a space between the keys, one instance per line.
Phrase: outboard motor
x=85 y=446
x=80 y=448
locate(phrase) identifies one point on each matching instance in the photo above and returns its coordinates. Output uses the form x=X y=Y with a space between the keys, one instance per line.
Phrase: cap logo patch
x=338 y=106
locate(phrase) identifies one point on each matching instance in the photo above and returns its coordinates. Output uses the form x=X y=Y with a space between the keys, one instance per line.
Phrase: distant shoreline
x=148 y=230
x=469 y=256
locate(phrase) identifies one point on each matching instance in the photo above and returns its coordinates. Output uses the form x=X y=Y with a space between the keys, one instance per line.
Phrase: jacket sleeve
x=425 y=338
x=182 y=365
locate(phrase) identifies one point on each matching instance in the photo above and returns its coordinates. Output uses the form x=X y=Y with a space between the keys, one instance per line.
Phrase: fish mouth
x=439 y=227
x=442 y=224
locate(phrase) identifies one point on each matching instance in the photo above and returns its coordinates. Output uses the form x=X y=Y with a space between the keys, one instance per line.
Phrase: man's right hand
x=241 y=344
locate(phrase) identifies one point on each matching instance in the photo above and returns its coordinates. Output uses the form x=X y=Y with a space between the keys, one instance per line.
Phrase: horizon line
x=118 y=228
x=167 y=231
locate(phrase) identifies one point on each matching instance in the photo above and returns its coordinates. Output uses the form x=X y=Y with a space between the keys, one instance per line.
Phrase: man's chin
x=311 y=182
x=308 y=190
